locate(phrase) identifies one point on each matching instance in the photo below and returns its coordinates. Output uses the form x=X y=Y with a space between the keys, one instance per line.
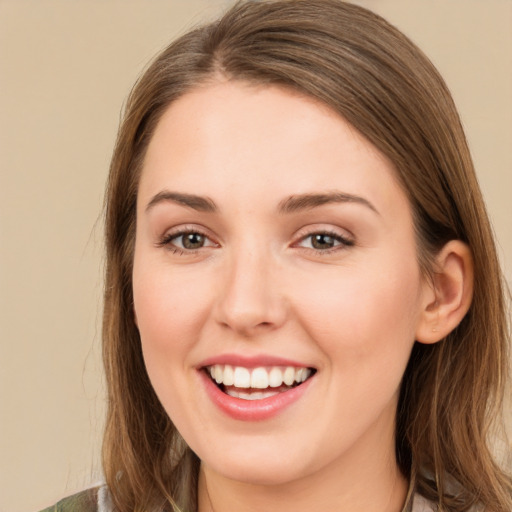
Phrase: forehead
x=266 y=140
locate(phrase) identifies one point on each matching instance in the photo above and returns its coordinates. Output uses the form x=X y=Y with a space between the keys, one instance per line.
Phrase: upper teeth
x=259 y=378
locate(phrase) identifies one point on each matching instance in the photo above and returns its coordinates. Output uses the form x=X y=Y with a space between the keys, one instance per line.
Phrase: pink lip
x=252 y=410
x=250 y=361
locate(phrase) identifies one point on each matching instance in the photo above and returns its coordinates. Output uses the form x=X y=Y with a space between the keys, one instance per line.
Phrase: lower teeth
x=256 y=395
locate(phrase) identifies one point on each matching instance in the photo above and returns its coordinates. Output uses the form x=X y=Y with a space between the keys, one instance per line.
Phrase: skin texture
x=259 y=287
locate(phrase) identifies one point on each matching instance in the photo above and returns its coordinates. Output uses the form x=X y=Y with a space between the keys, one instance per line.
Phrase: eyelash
x=343 y=242
x=167 y=241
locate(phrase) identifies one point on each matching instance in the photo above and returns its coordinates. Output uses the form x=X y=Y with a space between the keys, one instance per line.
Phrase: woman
x=303 y=307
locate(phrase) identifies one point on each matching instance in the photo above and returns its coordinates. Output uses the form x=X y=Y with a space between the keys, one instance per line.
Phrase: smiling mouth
x=257 y=383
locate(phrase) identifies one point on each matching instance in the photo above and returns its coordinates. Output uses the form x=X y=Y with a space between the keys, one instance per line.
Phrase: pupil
x=323 y=241
x=193 y=241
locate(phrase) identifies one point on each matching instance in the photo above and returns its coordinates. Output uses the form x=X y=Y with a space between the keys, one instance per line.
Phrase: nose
x=251 y=300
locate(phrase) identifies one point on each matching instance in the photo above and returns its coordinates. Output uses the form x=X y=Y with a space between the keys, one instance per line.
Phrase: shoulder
x=91 y=500
x=420 y=504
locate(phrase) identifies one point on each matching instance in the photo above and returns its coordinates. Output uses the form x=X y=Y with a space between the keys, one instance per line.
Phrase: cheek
x=169 y=309
x=365 y=314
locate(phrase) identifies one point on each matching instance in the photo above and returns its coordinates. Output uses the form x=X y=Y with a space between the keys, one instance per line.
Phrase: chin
x=260 y=462
x=267 y=473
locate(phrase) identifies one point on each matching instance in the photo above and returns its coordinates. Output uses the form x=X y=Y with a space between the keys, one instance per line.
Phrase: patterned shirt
x=97 y=499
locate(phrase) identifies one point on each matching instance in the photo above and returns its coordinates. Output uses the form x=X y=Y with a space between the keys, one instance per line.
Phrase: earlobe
x=448 y=295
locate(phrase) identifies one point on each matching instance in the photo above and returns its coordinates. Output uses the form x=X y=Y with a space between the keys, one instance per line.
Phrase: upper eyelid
x=172 y=233
x=306 y=231
x=343 y=241
x=184 y=229
x=336 y=236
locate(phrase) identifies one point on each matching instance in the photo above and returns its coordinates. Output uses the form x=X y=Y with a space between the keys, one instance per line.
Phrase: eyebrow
x=199 y=203
x=291 y=204
x=309 y=201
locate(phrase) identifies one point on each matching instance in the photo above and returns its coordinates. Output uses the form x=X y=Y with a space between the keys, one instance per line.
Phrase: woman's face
x=273 y=245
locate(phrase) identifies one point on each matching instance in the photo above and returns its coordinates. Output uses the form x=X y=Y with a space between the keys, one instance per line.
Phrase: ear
x=447 y=297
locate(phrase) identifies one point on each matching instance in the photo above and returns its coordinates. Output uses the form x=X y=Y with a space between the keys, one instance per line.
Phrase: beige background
x=65 y=69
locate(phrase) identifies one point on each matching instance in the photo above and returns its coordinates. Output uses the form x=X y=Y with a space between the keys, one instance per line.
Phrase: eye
x=190 y=240
x=324 y=241
x=186 y=241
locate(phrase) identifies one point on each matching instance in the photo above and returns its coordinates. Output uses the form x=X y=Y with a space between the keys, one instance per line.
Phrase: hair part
x=368 y=72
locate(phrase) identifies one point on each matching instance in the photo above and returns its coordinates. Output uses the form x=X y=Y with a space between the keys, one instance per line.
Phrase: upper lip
x=251 y=361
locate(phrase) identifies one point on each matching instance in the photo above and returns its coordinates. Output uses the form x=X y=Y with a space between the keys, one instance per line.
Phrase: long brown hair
x=374 y=77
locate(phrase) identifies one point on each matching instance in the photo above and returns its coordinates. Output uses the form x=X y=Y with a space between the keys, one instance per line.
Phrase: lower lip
x=253 y=410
